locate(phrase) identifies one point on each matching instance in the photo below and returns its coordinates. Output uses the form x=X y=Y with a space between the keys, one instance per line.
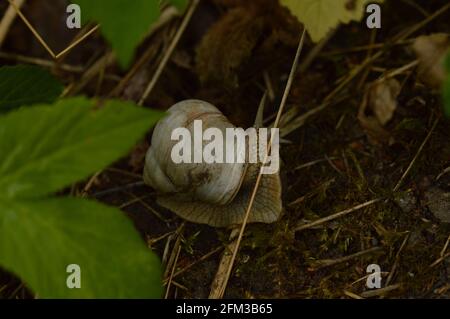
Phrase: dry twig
x=221 y=289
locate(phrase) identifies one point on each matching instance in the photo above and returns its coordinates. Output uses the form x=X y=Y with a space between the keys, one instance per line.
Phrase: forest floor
x=336 y=158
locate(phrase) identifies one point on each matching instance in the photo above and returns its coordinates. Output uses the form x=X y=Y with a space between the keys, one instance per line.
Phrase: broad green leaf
x=446 y=88
x=124 y=23
x=180 y=4
x=45 y=148
x=39 y=239
x=25 y=85
x=320 y=16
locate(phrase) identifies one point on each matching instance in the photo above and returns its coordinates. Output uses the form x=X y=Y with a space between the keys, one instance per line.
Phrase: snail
x=216 y=194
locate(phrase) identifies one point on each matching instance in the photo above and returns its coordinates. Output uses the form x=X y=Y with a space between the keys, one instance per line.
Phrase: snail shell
x=216 y=194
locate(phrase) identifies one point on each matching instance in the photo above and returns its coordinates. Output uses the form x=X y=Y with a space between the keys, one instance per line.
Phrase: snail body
x=214 y=193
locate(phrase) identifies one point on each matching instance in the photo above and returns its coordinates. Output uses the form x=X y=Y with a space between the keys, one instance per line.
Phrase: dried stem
x=221 y=289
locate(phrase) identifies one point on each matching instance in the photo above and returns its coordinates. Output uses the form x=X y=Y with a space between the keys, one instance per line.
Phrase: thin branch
x=170 y=50
x=379 y=292
x=337 y=215
x=437 y=262
x=32 y=29
x=36 y=34
x=8 y=19
x=396 y=188
x=331 y=262
x=352 y=295
x=397 y=260
x=172 y=272
x=203 y=258
x=41 y=62
x=75 y=43
x=445 y=246
x=258 y=180
x=118 y=189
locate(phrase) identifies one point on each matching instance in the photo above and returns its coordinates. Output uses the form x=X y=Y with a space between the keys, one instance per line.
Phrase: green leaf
x=320 y=16
x=180 y=4
x=124 y=23
x=25 y=85
x=446 y=87
x=48 y=147
x=39 y=239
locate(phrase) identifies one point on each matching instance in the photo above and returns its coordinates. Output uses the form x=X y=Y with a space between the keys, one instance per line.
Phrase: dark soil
x=224 y=56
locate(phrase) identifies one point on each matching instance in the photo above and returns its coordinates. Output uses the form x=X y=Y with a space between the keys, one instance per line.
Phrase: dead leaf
x=227 y=45
x=371 y=125
x=431 y=51
x=244 y=31
x=375 y=132
x=383 y=99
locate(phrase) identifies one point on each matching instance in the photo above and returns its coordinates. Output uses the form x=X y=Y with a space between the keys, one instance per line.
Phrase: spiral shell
x=216 y=194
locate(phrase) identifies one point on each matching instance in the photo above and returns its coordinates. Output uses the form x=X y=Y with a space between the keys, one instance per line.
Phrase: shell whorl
x=214 y=194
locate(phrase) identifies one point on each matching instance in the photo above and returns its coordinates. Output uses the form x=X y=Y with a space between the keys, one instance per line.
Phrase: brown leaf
x=375 y=132
x=229 y=53
x=383 y=99
x=227 y=45
x=371 y=125
x=431 y=51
